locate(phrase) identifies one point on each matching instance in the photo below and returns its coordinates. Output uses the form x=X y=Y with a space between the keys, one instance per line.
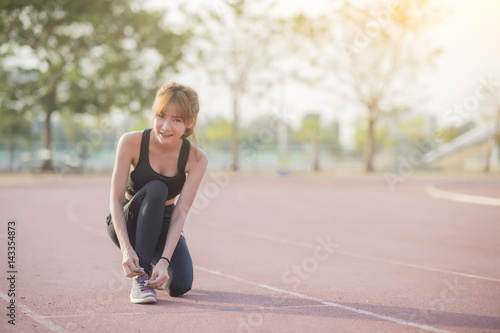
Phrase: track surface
x=271 y=254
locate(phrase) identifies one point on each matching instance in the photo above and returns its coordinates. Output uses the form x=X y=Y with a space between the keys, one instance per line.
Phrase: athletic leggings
x=148 y=220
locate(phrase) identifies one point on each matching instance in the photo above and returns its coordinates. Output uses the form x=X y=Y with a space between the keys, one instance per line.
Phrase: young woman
x=144 y=221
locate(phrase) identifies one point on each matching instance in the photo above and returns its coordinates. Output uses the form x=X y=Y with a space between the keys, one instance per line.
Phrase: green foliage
x=141 y=123
x=74 y=128
x=14 y=110
x=89 y=56
x=261 y=131
x=408 y=132
x=449 y=133
x=216 y=130
x=394 y=134
x=309 y=127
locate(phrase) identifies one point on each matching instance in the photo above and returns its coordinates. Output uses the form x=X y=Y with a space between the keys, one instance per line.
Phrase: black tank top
x=143 y=173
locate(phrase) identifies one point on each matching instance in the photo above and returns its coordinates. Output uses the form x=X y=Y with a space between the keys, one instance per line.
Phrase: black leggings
x=148 y=220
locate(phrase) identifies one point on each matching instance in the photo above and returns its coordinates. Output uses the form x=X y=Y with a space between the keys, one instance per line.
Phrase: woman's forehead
x=172 y=109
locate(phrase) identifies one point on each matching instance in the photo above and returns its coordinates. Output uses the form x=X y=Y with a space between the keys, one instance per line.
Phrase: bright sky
x=469 y=38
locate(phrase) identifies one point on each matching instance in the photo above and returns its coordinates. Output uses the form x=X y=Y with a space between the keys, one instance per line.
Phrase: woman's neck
x=166 y=148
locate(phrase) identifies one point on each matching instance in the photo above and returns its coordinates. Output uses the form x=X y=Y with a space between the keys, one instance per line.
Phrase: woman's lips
x=165 y=135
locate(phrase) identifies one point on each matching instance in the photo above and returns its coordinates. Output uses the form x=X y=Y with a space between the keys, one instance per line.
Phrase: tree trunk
x=315 y=142
x=234 y=138
x=370 y=143
x=47 y=143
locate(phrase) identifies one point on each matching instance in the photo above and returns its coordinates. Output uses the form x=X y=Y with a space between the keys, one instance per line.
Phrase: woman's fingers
x=127 y=271
x=158 y=279
x=132 y=266
x=130 y=263
x=160 y=282
x=131 y=269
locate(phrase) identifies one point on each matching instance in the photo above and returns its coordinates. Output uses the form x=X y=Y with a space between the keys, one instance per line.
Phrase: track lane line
x=347 y=253
x=74 y=219
x=68 y=209
x=433 y=191
x=327 y=303
x=35 y=316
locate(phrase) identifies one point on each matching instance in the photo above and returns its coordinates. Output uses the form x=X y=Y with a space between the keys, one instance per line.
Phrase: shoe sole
x=145 y=300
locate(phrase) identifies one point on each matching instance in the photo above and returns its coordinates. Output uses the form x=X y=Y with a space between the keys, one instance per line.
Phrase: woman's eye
x=178 y=120
x=161 y=116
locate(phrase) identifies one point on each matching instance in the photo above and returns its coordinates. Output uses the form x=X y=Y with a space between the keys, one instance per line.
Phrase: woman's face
x=168 y=126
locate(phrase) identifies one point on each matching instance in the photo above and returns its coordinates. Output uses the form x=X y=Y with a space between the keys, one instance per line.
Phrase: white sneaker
x=140 y=293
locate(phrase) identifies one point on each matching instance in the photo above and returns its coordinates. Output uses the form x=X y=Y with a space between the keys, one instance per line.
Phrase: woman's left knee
x=180 y=282
x=180 y=288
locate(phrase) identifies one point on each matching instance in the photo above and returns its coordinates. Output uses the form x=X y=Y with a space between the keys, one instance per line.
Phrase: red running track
x=271 y=255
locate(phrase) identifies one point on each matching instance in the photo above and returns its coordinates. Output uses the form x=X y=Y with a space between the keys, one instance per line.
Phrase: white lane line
x=69 y=214
x=332 y=304
x=197 y=311
x=433 y=269
x=73 y=219
x=351 y=254
x=35 y=316
x=467 y=198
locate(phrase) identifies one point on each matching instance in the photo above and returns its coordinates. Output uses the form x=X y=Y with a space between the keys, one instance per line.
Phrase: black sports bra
x=143 y=173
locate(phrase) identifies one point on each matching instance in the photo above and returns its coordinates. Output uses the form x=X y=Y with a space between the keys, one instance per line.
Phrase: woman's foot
x=140 y=293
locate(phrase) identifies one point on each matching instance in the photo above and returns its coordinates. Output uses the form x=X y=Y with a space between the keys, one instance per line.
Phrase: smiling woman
x=181 y=108
x=144 y=221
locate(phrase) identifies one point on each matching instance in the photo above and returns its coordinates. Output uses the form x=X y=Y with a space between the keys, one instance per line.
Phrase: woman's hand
x=130 y=263
x=159 y=277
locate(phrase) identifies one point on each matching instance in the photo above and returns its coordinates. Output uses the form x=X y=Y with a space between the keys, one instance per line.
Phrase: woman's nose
x=166 y=124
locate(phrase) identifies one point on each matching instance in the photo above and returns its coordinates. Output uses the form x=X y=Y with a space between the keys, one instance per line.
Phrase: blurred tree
x=243 y=49
x=217 y=130
x=403 y=134
x=375 y=52
x=449 y=133
x=310 y=124
x=72 y=128
x=332 y=135
x=261 y=131
x=140 y=122
x=384 y=137
x=310 y=132
x=88 y=56
x=14 y=110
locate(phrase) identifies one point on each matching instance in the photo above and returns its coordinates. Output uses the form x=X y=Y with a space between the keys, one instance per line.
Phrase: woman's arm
x=124 y=158
x=159 y=278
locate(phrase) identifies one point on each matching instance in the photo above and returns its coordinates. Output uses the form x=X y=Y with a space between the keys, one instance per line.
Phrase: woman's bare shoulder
x=129 y=146
x=197 y=154
x=131 y=138
x=196 y=157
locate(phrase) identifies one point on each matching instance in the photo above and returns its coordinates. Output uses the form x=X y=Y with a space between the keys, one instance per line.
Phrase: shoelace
x=142 y=279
